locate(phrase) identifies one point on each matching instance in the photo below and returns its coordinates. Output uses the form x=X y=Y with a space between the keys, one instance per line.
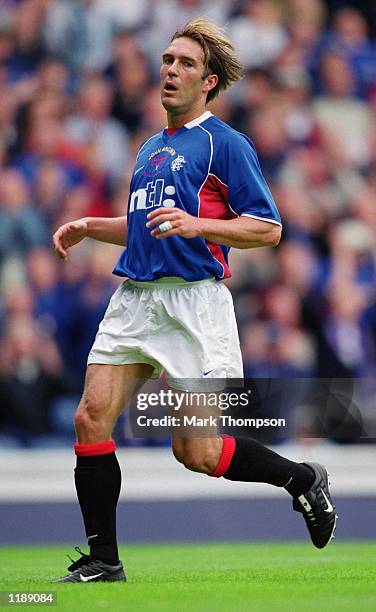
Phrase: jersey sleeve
x=236 y=165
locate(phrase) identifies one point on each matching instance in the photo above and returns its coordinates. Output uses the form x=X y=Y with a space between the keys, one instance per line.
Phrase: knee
x=88 y=417
x=197 y=463
x=178 y=453
x=203 y=460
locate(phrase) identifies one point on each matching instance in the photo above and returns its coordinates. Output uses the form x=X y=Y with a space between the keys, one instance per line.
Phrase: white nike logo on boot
x=329 y=505
x=87 y=578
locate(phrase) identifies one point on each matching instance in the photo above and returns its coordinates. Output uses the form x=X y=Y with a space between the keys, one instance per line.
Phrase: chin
x=168 y=103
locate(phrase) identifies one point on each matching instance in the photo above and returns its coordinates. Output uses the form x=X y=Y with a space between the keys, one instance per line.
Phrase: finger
x=157 y=220
x=166 y=226
x=159 y=211
x=61 y=254
x=163 y=212
x=173 y=232
x=61 y=239
x=58 y=246
x=60 y=251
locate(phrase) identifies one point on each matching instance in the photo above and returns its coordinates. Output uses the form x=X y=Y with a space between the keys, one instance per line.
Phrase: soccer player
x=196 y=191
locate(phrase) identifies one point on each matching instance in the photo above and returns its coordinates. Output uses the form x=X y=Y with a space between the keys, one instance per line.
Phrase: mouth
x=169 y=87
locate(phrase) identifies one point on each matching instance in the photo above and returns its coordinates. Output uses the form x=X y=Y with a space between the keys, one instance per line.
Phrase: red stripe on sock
x=228 y=449
x=100 y=448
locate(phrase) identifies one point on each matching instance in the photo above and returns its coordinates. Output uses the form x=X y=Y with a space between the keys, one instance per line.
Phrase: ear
x=210 y=82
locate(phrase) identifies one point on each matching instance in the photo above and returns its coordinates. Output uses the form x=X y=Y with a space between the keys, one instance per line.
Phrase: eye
x=187 y=64
x=167 y=60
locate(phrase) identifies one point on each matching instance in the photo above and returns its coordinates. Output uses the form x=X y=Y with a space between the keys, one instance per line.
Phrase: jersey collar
x=199 y=120
x=190 y=125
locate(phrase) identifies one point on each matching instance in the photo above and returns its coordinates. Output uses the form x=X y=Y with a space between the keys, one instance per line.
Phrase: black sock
x=98 y=481
x=254 y=462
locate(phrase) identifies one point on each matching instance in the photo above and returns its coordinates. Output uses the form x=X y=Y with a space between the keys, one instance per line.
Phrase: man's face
x=182 y=84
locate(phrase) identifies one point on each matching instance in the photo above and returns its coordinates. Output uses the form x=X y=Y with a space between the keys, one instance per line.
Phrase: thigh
x=122 y=338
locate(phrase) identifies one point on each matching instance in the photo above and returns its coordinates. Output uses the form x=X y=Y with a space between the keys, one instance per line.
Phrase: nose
x=172 y=69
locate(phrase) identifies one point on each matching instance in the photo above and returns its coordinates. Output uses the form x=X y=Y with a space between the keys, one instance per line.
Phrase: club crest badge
x=177 y=163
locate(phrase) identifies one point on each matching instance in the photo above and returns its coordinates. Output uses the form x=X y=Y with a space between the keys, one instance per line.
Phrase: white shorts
x=187 y=330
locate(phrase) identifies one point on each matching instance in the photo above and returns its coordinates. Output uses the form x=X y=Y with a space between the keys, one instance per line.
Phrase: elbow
x=269 y=236
x=274 y=235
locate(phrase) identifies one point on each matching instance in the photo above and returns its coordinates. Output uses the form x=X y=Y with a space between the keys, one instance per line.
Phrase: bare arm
x=241 y=233
x=104 y=229
x=107 y=229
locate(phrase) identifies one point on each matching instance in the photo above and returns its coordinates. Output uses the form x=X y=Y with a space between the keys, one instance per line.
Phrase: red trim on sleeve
x=89 y=450
x=228 y=449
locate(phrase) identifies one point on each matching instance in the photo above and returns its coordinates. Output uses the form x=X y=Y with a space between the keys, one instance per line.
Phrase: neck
x=175 y=120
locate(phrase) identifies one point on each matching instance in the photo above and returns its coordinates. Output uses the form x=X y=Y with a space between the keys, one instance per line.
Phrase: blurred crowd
x=79 y=92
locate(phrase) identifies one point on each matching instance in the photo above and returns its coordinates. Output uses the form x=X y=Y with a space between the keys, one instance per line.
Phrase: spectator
x=31 y=374
x=126 y=15
x=80 y=33
x=256 y=88
x=8 y=129
x=346 y=331
x=167 y=16
x=44 y=140
x=106 y=143
x=305 y=22
x=91 y=303
x=132 y=78
x=258 y=33
x=268 y=132
x=301 y=278
x=21 y=225
x=256 y=350
x=298 y=119
x=349 y=37
x=339 y=112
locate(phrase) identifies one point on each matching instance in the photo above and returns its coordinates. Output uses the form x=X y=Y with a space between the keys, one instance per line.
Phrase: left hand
x=183 y=224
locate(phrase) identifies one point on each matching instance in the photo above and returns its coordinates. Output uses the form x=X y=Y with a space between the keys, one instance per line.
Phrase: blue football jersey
x=207 y=169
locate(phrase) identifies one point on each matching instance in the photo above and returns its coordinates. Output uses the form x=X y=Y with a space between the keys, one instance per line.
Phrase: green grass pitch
x=208 y=577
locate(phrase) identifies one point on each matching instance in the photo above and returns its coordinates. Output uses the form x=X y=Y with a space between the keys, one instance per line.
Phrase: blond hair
x=219 y=53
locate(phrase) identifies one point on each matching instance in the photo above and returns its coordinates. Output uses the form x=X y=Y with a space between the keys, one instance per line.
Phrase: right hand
x=67 y=235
